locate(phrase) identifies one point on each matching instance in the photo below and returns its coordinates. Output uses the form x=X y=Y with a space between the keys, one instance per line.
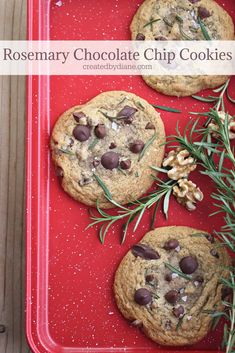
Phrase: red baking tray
x=69 y=302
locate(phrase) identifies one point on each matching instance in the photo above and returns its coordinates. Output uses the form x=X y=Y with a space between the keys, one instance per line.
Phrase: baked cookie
x=168 y=282
x=114 y=138
x=178 y=20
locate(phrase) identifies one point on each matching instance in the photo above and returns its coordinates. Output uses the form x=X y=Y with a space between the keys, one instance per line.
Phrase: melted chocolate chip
x=112 y=145
x=150 y=126
x=100 y=131
x=110 y=160
x=136 y=146
x=178 y=312
x=188 y=265
x=59 y=172
x=171 y=244
x=81 y=133
x=214 y=253
x=168 y=277
x=203 y=12
x=128 y=120
x=150 y=278
x=142 y=296
x=95 y=163
x=78 y=115
x=145 y=252
x=172 y=296
x=160 y=38
x=127 y=111
x=125 y=164
x=140 y=36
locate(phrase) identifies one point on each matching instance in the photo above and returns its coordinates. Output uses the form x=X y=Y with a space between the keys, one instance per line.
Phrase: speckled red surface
x=70 y=304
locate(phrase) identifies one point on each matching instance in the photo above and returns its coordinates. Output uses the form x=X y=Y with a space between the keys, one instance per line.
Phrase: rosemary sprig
x=93 y=144
x=213 y=156
x=167 y=109
x=66 y=151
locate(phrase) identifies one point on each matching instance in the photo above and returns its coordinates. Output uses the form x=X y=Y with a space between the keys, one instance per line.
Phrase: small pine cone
x=187 y=194
x=181 y=162
x=231 y=125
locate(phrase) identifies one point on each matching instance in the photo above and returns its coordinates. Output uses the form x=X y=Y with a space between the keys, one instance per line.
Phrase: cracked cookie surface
x=178 y=20
x=169 y=281
x=116 y=137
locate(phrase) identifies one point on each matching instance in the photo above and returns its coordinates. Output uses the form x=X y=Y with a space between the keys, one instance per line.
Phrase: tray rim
x=38 y=29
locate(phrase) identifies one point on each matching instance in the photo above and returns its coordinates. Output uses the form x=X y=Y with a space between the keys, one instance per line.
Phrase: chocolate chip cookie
x=169 y=283
x=113 y=139
x=179 y=20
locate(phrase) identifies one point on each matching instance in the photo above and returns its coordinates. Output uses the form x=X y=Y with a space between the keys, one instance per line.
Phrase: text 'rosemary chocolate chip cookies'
x=107 y=146
x=170 y=283
x=182 y=20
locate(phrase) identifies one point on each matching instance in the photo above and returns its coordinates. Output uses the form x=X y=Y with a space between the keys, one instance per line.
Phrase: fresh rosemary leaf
x=161 y=170
x=180 y=273
x=179 y=19
x=93 y=144
x=151 y=22
x=204 y=29
x=66 y=151
x=179 y=324
x=204 y=99
x=166 y=203
x=104 y=187
x=230 y=98
x=147 y=145
x=184 y=35
x=167 y=109
x=155 y=214
x=107 y=116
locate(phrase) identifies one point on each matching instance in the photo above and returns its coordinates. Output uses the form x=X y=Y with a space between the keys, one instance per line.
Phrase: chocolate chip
x=112 y=145
x=188 y=265
x=203 y=12
x=136 y=146
x=171 y=244
x=78 y=115
x=110 y=160
x=226 y=293
x=127 y=111
x=214 y=253
x=95 y=163
x=2 y=328
x=59 y=172
x=160 y=38
x=140 y=36
x=168 y=277
x=210 y=238
x=81 y=133
x=145 y=252
x=150 y=126
x=172 y=296
x=143 y=296
x=100 y=131
x=125 y=164
x=178 y=312
x=150 y=278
